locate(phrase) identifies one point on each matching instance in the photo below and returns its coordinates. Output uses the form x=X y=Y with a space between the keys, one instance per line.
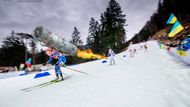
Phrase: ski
x=42 y=85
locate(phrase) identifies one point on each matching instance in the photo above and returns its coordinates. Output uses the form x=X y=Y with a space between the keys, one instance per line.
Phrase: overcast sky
x=60 y=16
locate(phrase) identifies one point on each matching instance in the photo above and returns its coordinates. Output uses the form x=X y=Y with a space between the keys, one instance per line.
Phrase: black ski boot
x=61 y=75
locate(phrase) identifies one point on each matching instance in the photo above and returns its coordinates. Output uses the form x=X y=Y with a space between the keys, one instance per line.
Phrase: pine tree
x=90 y=38
x=76 y=39
x=112 y=26
x=12 y=51
x=93 y=37
x=102 y=45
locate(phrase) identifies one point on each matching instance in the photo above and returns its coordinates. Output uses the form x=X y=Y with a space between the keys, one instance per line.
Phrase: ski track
x=152 y=78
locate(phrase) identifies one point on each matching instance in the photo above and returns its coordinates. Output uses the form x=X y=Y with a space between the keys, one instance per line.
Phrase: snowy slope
x=150 y=79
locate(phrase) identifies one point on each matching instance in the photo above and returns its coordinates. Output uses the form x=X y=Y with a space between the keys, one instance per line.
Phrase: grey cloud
x=61 y=16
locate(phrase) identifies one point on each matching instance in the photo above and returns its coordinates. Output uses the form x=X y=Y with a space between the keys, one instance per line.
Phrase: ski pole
x=74 y=70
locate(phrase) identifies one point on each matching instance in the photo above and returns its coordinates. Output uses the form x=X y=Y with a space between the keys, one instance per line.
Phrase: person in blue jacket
x=59 y=60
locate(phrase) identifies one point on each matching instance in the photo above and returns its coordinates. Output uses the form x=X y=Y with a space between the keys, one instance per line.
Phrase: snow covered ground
x=150 y=79
x=9 y=74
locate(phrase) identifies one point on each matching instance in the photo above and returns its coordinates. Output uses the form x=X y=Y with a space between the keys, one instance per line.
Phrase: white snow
x=9 y=74
x=152 y=78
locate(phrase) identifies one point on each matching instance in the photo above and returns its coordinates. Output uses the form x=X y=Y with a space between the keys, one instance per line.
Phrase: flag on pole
x=176 y=29
x=172 y=19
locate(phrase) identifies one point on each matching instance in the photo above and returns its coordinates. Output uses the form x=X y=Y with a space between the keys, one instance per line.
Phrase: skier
x=111 y=54
x=145 y=46
x=27 y=65
x=135 y=51
x=59 y=60
x=141 y=47
x=131 y=53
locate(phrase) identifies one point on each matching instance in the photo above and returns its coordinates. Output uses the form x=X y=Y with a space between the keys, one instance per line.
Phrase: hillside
x=152 y=78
